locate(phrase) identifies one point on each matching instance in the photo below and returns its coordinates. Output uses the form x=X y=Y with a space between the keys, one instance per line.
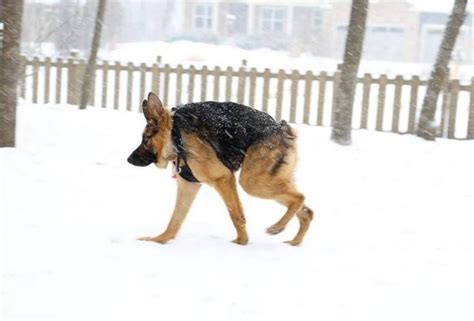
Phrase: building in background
x=431 y=28
x=273 y=24
x=391 y=32
x=396 y=31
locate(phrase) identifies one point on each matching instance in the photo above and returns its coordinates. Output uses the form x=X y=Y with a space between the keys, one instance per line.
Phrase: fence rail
x=381 y=103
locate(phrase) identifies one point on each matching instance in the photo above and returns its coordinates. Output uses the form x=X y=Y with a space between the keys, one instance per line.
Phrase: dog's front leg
x=227 y=189
x=185 y=196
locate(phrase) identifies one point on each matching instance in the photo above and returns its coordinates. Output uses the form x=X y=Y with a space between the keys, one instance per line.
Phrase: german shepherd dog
x=208 y=142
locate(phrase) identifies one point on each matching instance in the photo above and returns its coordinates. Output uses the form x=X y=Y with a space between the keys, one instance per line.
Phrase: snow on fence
x=381 y=103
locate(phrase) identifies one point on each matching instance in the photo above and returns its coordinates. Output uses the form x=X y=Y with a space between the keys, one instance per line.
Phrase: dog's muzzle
x=141 y=157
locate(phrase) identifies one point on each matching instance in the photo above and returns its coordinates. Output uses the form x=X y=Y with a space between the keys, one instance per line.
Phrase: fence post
x=279 y=98
x=241 y=83
x=295 y=75
x=73 y=79
x=217 y=82
x=367 y=81
x=204 y=71
x=105 y=83
x=47 y=80
x=129 y=85
x=397 y=101
x=166 y=84
x=453 y=105
x=253 y=80
x=179 y=84
x=35 y=80
x=470 y=127
x=381 y=102
x=266 y=85
x=117 y=70
x=142 y=94
x=307 y=95
x=192 y=72
x=415 y=83
x=155 y=76
x=321 y=95
x=228 y=84
x=59 y=79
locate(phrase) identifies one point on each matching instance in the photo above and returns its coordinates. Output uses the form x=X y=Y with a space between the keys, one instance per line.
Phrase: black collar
x=182 y=169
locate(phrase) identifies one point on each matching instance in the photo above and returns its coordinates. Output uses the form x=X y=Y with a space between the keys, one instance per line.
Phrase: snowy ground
x=392 y=239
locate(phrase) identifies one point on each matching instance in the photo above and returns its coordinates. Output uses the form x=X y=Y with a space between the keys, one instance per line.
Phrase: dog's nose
x=131 y=160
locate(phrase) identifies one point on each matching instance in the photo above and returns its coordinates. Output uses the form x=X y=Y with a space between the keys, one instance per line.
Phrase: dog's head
x=156 y=135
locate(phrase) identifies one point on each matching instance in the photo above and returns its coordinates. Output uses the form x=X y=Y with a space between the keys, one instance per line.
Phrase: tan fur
x=163 y=141
x=256 y=178
x=185 y=195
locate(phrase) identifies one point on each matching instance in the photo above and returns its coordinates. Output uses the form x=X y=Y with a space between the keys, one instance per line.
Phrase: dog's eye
x=145 y=140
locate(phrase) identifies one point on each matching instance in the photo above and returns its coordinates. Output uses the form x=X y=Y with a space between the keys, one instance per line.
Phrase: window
x=432 y=37
x=273 y=19
x=385 y=43
x=396 y=30
x=203 y=16
x=317 y=19
x=379 y=42
x=435 y=32
x=377 y=29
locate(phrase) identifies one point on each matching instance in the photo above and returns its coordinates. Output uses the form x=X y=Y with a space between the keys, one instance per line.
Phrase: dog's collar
x=182 y=169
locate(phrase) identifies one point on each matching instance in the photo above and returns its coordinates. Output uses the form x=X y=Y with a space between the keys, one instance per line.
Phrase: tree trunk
x=11 y=12
x=341 y=131
x=426 y=125
x=89 y=74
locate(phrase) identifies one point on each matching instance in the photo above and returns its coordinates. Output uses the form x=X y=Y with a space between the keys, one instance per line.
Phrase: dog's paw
x=157 y=239
x=293 y=243
x=241 y=241
x=275 y=229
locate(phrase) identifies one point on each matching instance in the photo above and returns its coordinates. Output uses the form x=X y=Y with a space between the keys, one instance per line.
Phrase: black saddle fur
x=230 y=128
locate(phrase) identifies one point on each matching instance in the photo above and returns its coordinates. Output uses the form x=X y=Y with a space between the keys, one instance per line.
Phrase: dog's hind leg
x=305 y=216
x=285 y=194
x=268 y=172
x=294 y=202
x=185 y=196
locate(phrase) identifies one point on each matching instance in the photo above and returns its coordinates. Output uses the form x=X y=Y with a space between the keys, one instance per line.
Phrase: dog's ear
x=145 y=109
x=153 y=108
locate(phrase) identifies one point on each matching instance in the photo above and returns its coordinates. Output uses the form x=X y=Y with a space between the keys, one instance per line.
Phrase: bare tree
x=89 y=73
x=341 y=131
x=426 y=126
x=11 y=12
